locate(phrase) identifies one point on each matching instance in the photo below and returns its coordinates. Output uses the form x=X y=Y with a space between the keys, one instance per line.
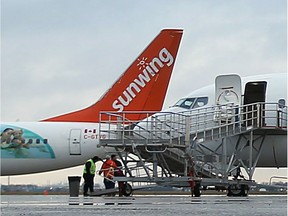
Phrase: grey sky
x=61 y=55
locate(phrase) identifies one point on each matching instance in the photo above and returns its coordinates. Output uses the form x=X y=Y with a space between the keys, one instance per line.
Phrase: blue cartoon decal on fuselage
x=17 y=142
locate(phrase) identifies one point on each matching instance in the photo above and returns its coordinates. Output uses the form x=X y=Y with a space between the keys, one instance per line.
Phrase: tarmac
x=166 y=205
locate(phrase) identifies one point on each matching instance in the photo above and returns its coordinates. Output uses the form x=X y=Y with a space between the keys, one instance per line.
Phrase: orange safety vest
x=108 y=168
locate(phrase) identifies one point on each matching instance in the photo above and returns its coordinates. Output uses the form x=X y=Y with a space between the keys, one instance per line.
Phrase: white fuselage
x=48 y=146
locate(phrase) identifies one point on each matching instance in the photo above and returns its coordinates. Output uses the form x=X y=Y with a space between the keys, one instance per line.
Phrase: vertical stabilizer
x=142 y=87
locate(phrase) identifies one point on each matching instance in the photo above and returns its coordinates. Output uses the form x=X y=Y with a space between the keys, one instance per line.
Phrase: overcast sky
x=61 y=55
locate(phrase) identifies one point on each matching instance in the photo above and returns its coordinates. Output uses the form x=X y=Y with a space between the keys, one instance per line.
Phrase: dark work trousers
x=88 y=183
x=108 y=184
x=119 y=172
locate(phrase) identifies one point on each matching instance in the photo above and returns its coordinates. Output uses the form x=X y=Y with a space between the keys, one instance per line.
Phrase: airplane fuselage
x=31 y=147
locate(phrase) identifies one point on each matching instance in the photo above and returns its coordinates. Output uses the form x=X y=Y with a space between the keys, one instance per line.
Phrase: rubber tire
x=127 y=190
x=235 y=191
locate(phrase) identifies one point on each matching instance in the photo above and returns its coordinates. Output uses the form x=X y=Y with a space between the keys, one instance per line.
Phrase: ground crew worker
x=89 y=174
x=107 y=168
x=191 y=180
x=118 y=172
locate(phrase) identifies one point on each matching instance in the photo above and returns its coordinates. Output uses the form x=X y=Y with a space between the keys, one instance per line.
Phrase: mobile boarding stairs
x=205 y=146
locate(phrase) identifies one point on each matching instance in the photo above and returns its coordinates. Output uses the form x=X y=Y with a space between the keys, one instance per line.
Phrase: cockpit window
x=180 y=102
x=185 y=103
x=191 y=103
x=202 y=101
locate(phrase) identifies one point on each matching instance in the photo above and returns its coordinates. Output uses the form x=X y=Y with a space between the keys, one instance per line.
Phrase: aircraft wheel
x=237 y=190
x=127 y=189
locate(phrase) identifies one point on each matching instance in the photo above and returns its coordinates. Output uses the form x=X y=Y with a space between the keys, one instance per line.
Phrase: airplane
x=70 y=139
x=270 y=89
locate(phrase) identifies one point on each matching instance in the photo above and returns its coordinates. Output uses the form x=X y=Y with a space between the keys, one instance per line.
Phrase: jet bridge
x=192 y=147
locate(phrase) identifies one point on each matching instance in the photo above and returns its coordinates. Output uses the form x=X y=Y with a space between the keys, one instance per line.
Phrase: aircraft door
x=75 y=142
x=255 y=92
x=228 y=91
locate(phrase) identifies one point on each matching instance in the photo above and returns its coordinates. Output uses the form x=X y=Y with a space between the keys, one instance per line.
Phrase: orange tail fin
x=142 y=87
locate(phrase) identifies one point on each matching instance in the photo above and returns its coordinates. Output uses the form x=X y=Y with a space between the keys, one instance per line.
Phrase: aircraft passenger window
x=37 y=141
x=45 y=141
x=202 y=101
x=30 y=141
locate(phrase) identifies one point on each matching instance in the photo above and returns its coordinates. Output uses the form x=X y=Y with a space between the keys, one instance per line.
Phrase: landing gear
x=237 y=190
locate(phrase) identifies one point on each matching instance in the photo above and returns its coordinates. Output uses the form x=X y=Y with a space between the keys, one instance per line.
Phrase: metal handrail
x=220 y=120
